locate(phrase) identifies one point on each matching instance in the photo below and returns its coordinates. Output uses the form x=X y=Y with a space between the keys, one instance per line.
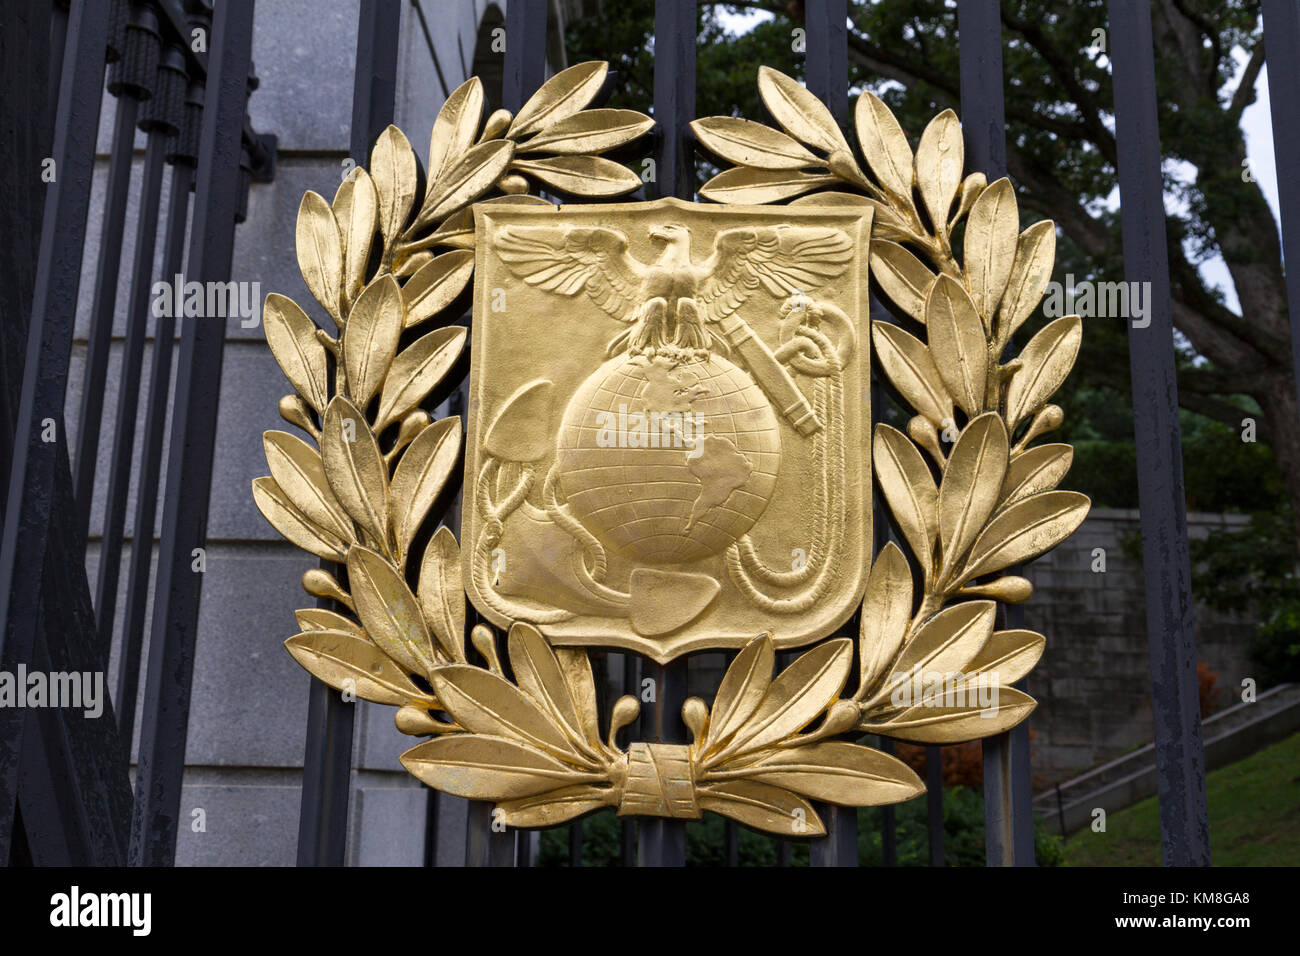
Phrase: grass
x=1254 y=818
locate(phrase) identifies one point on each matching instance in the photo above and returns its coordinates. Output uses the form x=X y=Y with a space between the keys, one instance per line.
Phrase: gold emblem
x=657 y=456
x=669 y=450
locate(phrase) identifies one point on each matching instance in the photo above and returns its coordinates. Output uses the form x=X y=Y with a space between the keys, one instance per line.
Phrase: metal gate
x=65 y=793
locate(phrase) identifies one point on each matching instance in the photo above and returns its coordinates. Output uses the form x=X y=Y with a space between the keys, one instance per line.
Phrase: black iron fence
x=65 y=794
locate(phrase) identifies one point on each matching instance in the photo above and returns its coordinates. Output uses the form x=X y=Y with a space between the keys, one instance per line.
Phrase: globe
x=668 y=457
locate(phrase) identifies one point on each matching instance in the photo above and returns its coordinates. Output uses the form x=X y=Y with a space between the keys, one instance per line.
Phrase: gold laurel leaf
x=320 y=619
x=971 y=188
x=927 y=724
x=577 y=671
x=761 y=806
x=354 y=467
x=799 y=112
x=837 y=772
x=741 y=691
x=910 y=492
x=320 y=253
x=944 y=644
x=292 y=523
x=416 y=370
x=393 y=169
x=421 y=475
x=556 y=806
x=564 y=94
x=298 y=470
x=538 y=673
x=1044 y=365
x=590 y=132
x=885 y=222
x=291 y=336
x=903 y=277
x=799 y=693
x=885 y=611
x=1007 y=657
x=489 y=768
x=356 y=210
x=957 y=342
x=1039 y=469
x=911 y=369
x=885 y=146
x=389 y=611
x=747 y=143
x=455 y=128
x=972 y=482
x=466 y=179
x=347 y=663
x=412 y=264
x=940 y=158
x=442 y=594
x=484 y=703
x=370 y=337
x=1035 y=253
x=991 y=234
x=582 y=175
x=1025 y=530
x=437 y=285
x=761 y=186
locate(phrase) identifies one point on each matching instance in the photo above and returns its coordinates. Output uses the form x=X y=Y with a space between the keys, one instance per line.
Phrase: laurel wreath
x=525 y=732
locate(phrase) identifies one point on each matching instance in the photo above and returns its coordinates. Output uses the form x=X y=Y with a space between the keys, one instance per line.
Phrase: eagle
x=672 y=300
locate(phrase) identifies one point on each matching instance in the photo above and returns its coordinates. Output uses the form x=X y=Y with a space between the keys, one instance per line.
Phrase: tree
x=1062 y=157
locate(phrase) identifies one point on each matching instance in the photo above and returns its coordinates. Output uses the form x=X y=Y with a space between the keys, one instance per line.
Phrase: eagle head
x=672 y=233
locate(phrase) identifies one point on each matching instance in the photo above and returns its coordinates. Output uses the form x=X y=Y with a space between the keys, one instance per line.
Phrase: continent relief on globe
x=668 y=459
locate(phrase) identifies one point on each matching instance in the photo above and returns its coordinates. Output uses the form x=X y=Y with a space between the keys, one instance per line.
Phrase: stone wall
x=1093 y=684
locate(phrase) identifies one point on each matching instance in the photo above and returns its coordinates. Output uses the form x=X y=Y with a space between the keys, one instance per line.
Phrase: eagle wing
x=782 y=259
x=570 y=260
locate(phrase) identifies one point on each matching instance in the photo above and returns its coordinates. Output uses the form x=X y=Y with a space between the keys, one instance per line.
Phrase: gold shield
x=668 y=426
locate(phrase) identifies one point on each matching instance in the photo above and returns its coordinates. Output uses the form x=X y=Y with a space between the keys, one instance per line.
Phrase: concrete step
x=1228 y=736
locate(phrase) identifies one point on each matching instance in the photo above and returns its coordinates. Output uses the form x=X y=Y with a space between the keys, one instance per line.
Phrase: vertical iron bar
x=137 y=317
x=888 y=820
x=165 y=724
x=1282 y=35
x=25 y=537
x=58 y=40
x=731 y=842
x=525 y=66
x=934 y=802
x=1171 y=632
x=137 y=586
x=826 y=66
x=331 y=720
x=1008 y=818
x=575 y=843
x=104 y=307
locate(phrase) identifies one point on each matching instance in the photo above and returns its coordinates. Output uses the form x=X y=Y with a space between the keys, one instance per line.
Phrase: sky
x=1256 y=125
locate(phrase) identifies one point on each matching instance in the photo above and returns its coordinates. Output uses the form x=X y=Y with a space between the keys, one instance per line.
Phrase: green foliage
x=1255 y=568
x=963 y=819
